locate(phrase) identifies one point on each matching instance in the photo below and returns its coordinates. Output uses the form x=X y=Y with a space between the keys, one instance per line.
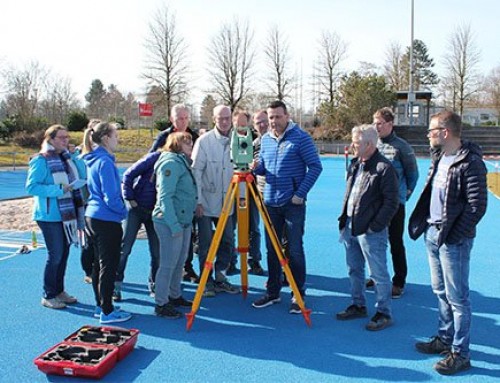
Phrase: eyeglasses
x=429 y=131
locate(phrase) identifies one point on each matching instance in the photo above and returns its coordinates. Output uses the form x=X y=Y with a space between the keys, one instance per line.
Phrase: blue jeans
x=173 y=254
x=205 y=235
x=371 y=249
x=291 y=218
x=57 y=258
x=449 y=266
x=135 y=218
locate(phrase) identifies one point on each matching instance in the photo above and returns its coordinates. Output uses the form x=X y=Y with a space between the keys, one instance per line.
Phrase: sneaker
x=64 y=297
x=452 y=364
x=232 y=270
x=209 y=290
x=256 y=268
x=98 y=311
x=397 y=292
x=370 y=283
x=190 y=276
x=180 y=302
x=226 y=287
x=167 y=311
x=53 y=303
x=87 y=279
x=114 y=317
x=352 y=312
x=434 y=346
x=378 y=322
x=294 y=307
x=265 y=301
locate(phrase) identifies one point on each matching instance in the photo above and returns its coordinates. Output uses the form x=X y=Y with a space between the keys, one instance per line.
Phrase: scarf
x=71 y=203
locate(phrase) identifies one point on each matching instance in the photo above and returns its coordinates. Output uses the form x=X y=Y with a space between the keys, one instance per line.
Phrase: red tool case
x=89 y=352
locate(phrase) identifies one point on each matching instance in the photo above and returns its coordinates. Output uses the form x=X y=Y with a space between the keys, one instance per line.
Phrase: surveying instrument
x=240 y=190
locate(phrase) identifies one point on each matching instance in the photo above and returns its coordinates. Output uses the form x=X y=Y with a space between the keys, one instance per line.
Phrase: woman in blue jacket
x=104 y=213
x=172 y=217
x=58 y=209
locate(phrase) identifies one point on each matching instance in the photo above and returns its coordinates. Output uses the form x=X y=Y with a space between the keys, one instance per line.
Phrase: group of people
x=180 y=189
x=381 y=177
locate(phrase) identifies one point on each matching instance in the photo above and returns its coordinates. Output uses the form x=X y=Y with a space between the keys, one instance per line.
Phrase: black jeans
x=87 y=254
x=398 y=251
x=107 y=240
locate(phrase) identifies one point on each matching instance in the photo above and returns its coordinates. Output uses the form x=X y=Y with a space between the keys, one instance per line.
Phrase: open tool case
x=89 y=352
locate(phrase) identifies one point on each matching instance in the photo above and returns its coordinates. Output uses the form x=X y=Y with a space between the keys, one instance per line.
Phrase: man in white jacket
x=213 y=170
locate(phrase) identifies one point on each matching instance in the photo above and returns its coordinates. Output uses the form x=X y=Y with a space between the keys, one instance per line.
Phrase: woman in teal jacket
x=58 y=209
x=172 y=218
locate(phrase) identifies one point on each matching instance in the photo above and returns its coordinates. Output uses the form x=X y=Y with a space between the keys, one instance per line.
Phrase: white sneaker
x=64 y=297
x=53 y=303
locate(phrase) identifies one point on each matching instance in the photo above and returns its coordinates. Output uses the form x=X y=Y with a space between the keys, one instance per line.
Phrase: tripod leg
x=207 y=268
x=243 y=239
x=279 y=252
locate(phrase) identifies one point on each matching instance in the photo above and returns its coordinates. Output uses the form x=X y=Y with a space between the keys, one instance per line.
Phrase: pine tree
x=423 y=76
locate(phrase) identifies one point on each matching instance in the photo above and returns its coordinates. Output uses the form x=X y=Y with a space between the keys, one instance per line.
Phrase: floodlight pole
x=411 y=93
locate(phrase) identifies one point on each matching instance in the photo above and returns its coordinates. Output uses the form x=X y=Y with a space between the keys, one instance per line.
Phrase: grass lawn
x=133 y=144
x=494 y=183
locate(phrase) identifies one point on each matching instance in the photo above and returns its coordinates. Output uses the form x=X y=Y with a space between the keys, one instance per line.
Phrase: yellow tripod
x=233 y=194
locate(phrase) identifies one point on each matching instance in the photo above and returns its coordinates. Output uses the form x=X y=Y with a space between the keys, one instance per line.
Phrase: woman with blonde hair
x=58 y=209
x=103 y=215
x=172 y=217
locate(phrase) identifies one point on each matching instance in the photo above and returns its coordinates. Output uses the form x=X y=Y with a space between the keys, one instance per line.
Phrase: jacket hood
x=467 y=147
x=97 y=154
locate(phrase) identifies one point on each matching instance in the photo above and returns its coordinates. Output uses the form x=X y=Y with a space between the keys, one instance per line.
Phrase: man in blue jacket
x=291 y=165
x=451 y=205
x=402 y=157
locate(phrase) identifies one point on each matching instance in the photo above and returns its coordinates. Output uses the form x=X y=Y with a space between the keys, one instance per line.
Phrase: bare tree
x=332 y=51
x=59 y=101
x=231 y=56
x=492 y=89
x=277 y=59
x=462 y=58
x=392 y=68
x=24 y=88
x=166 y=64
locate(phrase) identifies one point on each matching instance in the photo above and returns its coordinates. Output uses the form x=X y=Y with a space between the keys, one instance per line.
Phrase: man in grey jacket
x=370 y=202
x=213 y=170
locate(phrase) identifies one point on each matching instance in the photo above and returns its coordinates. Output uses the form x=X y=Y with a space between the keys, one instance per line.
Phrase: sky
x=85 y=40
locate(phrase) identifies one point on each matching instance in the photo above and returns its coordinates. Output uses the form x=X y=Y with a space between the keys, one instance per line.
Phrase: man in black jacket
x=370 y=202
x=451 y=205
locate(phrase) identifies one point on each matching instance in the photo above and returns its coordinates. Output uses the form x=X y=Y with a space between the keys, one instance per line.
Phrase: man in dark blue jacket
x=370 y=201
x=451 y=205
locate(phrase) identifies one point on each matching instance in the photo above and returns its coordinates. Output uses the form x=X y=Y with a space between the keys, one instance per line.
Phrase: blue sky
x=84 y=40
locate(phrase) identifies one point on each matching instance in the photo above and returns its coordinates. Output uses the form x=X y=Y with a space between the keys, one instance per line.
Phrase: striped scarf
x=71 y=204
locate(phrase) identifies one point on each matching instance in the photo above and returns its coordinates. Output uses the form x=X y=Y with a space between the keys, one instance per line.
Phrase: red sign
x=145 y=110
